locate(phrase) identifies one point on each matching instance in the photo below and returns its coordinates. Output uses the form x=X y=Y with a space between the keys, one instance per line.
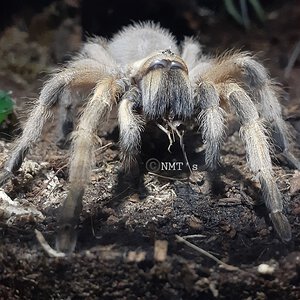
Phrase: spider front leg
x=131 y=124
x=254 y=136
x=67 y=113
x=96 y=111
x=258 y=83
x=212 y=122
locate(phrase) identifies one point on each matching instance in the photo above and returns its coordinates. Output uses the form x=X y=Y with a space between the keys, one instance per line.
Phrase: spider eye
x=166 y=64
x=158 y=64
x=177 y=65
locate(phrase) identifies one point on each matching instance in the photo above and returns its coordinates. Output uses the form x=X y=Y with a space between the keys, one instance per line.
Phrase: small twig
x=292 y=60
x=168 y=133
x=285 y=176
x=172 y=139
x=167 y=177
x=181 y=144
x=205 y=253
x=230 y=201
x=123 y=192
x=47 y=248
x=163 y=187
x=194 y=236
x=103 y=147
x=245 y=15
x=97 y=237
x=231 y=9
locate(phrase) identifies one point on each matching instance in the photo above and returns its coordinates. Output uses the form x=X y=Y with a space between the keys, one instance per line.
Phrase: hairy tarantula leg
x=212 y=122
x=264 y=91
x=67 y=117
x=257 y=149
x=33 y=128
x=131 y=125
x=50 y=96
x=95 y=112
x=80 y=75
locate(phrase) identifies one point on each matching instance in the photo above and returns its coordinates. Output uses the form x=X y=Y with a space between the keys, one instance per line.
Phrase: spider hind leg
x=253 y=133
x=67 y=112
x=96 y=111
x=212 y=122
x=266 y=94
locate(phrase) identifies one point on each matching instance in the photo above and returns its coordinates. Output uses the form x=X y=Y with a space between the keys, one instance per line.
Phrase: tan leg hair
x=131 y=125
x=212 y=122
x=257 y=83
x=32 y=131
x=224 y=68
x=67 y=115
x=254 y=136
x=254 y=78
x=81 y=76
x=82 y=158
x=50 y=95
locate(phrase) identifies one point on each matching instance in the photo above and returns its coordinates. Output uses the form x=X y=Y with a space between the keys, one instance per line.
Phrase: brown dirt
x=114 y=258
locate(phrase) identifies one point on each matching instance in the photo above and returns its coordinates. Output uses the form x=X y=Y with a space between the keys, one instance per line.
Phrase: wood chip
x=136 y=256
x=160 y=250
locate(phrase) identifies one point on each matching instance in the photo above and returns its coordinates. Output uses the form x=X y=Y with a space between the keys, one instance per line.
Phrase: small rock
x=264 y=232
x=30 y=167
x=13 y=210
x=195 y=222
x=265 y=269
x=111 y=220
x=296 y=210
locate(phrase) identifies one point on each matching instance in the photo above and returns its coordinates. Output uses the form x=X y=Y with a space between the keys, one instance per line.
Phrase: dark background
x=106 y=17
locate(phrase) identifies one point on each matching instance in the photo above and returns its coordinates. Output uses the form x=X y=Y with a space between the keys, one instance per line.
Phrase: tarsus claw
x=4 y=176
x=66 y=238
x=281 y=225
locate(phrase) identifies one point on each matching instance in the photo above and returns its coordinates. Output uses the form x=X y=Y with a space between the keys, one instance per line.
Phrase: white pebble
x=265 y=269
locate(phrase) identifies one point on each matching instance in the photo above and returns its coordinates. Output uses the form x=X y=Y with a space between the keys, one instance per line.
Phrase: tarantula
x=143 y=71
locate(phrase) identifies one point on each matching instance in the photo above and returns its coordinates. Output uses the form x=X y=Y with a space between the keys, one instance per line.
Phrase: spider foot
x=281 y=225
x=291 y=159
x=63 y=143
x=66 y=238
x=68 y=220
x=4 y=176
